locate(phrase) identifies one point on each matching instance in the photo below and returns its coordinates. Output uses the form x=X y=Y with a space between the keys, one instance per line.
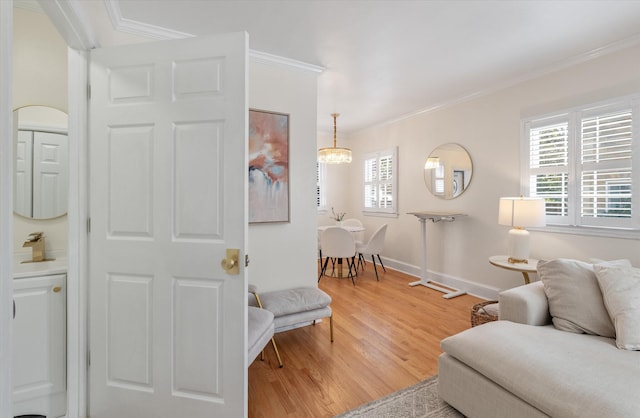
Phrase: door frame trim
x=75 y=28
x=6 y=205
x=77 y=245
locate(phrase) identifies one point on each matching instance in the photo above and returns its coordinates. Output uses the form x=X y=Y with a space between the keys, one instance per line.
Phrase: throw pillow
x=621 y=292
x=575 y=299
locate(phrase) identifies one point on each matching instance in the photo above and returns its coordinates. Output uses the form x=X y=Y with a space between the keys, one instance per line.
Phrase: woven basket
x=479 y=314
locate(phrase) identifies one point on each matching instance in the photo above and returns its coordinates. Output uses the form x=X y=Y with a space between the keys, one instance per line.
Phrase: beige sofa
x=523 y=366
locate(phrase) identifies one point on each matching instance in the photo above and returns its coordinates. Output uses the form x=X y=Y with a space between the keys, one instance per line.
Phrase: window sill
x=591 y=231
x=380 y=214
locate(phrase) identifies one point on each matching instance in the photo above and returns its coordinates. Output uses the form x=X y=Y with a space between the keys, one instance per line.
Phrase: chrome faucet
x=36 y=242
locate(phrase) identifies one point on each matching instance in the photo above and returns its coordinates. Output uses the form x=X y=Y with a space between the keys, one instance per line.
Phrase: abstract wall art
x=268 y=166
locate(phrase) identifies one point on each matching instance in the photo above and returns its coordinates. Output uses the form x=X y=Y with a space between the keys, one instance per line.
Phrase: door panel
x=50 y=174
x=22 y=196
x=167 y=198
x=130 y=179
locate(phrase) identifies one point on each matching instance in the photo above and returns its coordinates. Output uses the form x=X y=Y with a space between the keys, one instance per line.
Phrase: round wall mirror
x=447 y=171
x=40 y=181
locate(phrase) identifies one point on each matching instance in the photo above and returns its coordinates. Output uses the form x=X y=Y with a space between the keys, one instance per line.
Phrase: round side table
x=502 y=261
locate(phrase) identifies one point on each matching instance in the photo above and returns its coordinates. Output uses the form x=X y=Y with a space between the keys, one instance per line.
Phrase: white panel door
x=50 y=174
x=168 y=187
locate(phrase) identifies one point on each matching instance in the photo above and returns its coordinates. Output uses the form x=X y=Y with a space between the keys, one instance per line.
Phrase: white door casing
x=6 y=206
x=168 y=187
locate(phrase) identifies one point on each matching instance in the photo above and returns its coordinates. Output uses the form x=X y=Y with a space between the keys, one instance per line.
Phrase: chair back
x=376 y=242
x=337 y=242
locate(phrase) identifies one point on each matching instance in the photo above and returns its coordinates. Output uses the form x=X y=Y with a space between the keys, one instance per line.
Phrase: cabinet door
x=39 y=349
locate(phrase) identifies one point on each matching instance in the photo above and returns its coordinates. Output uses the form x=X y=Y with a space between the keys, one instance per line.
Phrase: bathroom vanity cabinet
x=39 y=346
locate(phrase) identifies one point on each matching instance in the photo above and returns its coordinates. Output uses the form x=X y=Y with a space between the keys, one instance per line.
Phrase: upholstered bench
x=260 y=330
x=293 y=308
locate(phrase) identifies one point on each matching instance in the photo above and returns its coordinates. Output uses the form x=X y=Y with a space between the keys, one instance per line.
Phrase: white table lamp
x=519 y=213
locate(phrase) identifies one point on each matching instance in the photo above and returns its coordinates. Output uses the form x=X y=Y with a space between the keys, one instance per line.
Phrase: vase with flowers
x=337 y=216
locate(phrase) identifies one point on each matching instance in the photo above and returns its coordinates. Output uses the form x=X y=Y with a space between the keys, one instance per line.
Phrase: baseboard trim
x=472 y=288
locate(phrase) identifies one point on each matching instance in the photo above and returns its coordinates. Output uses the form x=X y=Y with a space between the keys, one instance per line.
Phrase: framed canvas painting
x=268 y=166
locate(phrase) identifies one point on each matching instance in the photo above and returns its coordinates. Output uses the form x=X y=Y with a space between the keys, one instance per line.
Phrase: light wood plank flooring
x=386 y=337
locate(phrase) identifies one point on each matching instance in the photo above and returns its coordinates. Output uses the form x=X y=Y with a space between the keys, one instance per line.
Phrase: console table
x=424 y=281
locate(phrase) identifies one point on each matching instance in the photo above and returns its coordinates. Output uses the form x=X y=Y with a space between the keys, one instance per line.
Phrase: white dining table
x=351 y=228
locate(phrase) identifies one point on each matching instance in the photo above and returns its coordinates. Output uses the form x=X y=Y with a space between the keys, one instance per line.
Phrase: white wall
x=283 y=255
x=489 y=128
x=40 y=78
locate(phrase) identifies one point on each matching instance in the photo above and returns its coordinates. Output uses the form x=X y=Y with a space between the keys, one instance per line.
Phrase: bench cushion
x=294 y=301
x=284 y=323
x=260 y=330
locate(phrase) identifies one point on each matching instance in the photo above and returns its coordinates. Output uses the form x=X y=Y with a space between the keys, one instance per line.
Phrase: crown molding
x=267 y=58
x=69 y=18
x=134 y=27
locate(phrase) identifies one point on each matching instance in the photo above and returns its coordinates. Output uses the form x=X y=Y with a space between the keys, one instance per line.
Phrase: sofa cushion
x=560 y=373
x=575 y=299
x=621 y=292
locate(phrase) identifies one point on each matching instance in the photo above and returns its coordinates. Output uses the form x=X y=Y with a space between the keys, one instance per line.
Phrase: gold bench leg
x=273 y=340
x=331 y=326
x=275 y=348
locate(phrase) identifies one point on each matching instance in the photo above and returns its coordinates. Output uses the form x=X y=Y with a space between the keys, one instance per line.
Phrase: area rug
x=418 y=401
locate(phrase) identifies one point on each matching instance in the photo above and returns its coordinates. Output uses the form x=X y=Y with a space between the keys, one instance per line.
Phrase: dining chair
x=338 y=243
x=374 y=246
x=359 y=236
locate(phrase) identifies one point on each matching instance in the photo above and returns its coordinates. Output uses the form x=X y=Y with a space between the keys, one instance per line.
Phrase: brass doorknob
x=230 y=262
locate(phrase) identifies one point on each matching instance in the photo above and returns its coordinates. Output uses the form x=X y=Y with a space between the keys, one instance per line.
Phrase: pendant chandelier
x=334 y=155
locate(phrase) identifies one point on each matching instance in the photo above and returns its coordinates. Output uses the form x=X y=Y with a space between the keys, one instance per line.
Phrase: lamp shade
x=432 y=162
x=521 y=212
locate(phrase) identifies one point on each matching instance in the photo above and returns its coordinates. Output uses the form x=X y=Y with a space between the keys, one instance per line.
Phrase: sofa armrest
x=525 y=304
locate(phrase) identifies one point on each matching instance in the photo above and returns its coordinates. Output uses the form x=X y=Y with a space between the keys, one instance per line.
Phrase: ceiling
x=384 y=60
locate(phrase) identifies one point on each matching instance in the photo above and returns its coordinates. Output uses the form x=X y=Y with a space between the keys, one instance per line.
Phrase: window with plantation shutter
x=549 y=167
x=581 y=162
x=606 y=182
x=380 y=182
x=321 y=196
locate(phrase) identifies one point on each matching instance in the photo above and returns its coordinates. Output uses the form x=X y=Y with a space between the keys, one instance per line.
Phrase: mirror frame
x=448 y=170
x=54 y=125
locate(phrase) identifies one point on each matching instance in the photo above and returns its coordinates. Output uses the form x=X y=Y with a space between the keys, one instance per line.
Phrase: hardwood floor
x=386 y=337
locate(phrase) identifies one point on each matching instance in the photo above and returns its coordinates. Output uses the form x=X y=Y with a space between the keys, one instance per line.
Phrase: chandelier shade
x=334 y=155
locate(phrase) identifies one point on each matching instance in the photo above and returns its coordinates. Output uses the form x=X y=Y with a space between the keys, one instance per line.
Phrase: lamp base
x=518 y=245
x=516 y=261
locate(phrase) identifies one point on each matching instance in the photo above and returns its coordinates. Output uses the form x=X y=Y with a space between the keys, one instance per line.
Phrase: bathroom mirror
x=447 y=171
x=40 y=181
